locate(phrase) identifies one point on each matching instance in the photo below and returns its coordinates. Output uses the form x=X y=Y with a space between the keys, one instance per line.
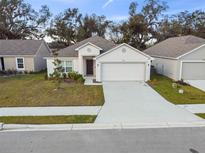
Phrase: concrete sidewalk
x=194 y=108
x=49 y=111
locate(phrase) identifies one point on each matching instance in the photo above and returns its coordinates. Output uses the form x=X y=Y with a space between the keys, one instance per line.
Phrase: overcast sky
x=113 y=9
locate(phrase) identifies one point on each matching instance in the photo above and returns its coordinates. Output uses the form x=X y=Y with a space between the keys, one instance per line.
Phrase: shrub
x=81 y=80
x=15 y=72
x=2 y=72
x=9 y=72
x=64 y=76
x=181 y=82
x=76 y=77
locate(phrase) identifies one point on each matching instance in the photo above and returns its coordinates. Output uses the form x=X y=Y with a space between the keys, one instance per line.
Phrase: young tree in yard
x=58 y=70
x=19 y=21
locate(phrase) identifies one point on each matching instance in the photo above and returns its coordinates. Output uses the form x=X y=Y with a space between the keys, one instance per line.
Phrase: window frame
x=20 y=63
x=64 y=65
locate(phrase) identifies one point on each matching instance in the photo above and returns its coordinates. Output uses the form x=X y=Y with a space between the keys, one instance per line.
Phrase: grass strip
x=74 y=119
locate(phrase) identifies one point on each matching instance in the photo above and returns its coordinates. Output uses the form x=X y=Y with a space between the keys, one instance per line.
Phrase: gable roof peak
x=98 y=41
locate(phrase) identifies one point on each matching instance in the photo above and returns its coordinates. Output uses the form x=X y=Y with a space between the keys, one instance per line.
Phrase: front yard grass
x=34 y=91
x=75 y=119
x=163 y=86
x=202 y=115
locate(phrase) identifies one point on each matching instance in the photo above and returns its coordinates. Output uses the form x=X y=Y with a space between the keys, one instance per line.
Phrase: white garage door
x=123 y=72
x=193 y=71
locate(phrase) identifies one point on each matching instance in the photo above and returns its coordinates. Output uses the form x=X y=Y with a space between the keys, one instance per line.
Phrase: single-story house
x=180 y=58
x=104 y=61
x=23 y=55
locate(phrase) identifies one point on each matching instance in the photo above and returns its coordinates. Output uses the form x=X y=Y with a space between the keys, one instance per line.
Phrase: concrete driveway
x=134 y=102
x=200 y=84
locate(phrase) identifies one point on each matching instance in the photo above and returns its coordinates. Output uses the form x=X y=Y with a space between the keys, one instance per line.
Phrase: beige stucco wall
x=32 y=63
x=40 y=62
x=10 y=63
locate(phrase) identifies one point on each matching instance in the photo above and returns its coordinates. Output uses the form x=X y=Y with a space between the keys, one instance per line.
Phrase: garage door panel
x=193 y=71
x=123 y=72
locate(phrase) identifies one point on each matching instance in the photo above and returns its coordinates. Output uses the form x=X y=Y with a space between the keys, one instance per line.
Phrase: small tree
x=58 y=70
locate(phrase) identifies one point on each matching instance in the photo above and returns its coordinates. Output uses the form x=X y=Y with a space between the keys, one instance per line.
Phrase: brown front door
x=89 y=67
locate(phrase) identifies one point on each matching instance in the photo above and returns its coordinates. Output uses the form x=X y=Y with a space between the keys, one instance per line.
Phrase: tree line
x=18 y=20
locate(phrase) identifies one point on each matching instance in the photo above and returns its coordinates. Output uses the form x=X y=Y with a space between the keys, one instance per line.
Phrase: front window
x=67 y=66
x=20 y=63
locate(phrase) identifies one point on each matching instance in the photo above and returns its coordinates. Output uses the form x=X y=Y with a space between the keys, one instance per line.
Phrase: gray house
x=23 y=55
x=180 y=57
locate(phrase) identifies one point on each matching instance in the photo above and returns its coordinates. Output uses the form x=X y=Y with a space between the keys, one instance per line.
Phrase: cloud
x=107 y=3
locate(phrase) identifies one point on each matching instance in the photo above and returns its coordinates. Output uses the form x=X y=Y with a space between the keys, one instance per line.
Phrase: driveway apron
x=136 y=102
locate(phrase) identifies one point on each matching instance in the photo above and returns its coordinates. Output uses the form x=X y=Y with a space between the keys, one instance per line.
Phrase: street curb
x=73 y=127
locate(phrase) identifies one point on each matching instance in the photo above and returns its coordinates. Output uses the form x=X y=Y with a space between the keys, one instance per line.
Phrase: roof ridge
x=87 y=39
x=175 y=46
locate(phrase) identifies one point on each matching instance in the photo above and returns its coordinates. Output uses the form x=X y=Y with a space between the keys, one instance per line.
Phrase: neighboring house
x=104 y=61
x=23 y=55
x=180 y=58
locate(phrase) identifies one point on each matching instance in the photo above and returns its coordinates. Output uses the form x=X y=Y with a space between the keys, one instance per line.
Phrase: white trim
x=187 y=61
x=193 y=61
x=88 y=44
x=180 y=70
x=20 y=69
x=164 y=57
x=124 y=44
x=191 y=51
x=64 y=65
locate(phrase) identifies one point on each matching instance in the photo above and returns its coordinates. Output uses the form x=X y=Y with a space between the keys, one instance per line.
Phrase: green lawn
x=48 y=119
x=33 y=90
x=202 y=115
x=163 y=86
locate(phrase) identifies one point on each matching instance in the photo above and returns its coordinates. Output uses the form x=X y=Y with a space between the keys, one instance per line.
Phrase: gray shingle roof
x=19 y=47
x=96 y=40
x=175 y=47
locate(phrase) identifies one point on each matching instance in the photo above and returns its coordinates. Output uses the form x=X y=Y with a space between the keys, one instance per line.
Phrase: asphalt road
x=138 y=140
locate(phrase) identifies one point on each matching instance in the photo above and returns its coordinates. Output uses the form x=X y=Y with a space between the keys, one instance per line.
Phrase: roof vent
x=88 y=49
x=124 y=50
